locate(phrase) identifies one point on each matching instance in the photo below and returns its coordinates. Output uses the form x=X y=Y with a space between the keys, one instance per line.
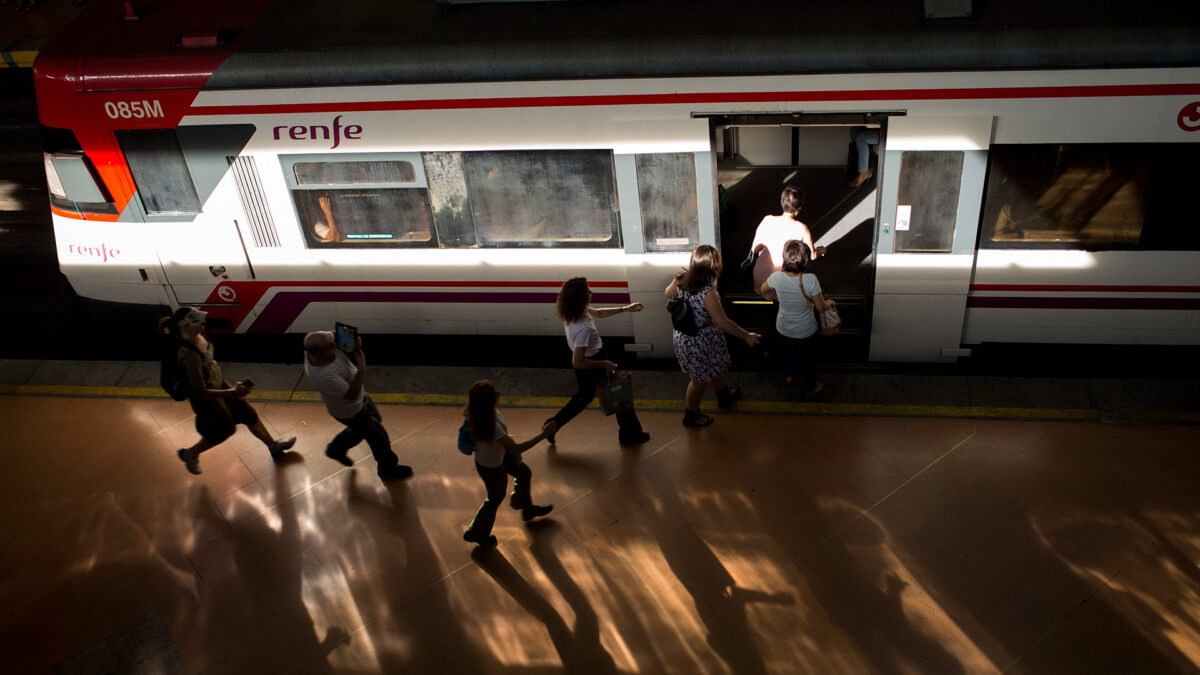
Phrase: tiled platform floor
x=779 y=544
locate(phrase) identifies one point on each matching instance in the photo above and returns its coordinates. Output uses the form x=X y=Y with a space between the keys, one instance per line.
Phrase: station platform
x=900 y=525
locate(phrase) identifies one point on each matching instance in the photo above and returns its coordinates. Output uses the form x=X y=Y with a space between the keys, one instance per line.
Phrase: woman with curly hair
x=704 y=356
x=588 y=357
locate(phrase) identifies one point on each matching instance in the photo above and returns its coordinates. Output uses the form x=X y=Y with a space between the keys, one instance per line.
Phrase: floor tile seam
x=1080 y=605
x=862 y=514
x=672 y=405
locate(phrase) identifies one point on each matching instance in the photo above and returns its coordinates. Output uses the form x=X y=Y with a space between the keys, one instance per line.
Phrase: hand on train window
x=326 y=231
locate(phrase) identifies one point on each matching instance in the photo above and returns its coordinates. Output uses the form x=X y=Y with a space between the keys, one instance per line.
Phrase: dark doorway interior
x=840 y=217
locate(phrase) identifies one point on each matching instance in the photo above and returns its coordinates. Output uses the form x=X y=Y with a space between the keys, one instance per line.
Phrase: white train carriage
x=1009 y=206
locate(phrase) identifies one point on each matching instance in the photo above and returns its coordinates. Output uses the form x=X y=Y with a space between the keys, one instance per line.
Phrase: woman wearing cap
x=219 y=406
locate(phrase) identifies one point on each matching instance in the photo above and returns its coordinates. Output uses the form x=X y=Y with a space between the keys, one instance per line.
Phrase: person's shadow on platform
x=402 y=546
x=579 y=646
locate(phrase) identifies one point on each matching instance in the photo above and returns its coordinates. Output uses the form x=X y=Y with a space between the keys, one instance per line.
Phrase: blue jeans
x=366 y=425
x=863 y=137
x=495 y=481
x=588 y=379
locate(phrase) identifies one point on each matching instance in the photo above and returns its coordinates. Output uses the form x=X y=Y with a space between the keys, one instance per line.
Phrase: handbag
x=682 y=318
x=466 y=444
x=751 y=259
x=616 y=392
x=829 y=320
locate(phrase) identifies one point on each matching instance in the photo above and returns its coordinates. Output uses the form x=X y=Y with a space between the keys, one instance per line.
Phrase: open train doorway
x=758 y=155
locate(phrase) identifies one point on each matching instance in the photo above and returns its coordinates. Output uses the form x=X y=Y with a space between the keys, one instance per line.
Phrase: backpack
x=682 y=318
x=466 y=444
x=171 y=375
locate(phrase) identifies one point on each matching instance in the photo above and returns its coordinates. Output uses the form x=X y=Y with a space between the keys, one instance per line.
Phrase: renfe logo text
x=104 y=253
x=319 y=131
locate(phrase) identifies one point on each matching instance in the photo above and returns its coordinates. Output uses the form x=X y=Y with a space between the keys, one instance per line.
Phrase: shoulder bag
x=829 y=320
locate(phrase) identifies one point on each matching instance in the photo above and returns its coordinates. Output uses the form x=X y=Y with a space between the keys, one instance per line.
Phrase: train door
x=759 y=156
x=931 y=190
x=196 y=234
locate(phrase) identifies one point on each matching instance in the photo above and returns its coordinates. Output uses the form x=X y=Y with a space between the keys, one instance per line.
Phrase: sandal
x=727 y=396
x=695 y=419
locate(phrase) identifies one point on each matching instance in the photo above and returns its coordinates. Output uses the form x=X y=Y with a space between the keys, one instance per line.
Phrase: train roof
x=292 y=43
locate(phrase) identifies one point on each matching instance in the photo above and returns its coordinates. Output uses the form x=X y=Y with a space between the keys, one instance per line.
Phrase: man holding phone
x=340 y=383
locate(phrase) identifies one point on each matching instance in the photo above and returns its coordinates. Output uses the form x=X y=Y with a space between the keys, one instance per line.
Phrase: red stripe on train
x=1121 y=90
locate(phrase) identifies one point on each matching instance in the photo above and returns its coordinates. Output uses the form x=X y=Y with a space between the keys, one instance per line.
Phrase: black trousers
x=588 y=379
x=495 y=480
x=803 y=359
x=366 y=425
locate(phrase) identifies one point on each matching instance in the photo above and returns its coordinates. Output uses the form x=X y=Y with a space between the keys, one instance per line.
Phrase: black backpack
x=682 y=317
x=171 y=375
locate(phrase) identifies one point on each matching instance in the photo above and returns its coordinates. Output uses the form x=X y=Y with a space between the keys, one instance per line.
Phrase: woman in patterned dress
x=705 y=356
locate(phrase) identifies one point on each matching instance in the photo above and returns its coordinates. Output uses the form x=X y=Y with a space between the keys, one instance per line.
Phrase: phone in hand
x=345 y=337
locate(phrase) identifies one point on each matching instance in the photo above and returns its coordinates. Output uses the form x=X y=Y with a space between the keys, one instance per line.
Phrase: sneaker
x=190 y=460
x=486 y=540
x=550 y=438
x=530 y=512
x=281 y=446
x=634 y=439
x=396 y=472
x=342 y=457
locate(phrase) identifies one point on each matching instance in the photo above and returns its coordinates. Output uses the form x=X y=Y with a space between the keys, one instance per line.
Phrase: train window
x=333 y=173
x=1089 y=197
x=928 y=195
x=449 y=199
x=376 y=217
x=159 y=171
x=543 y=198
x=360 y=201
x=667 y=193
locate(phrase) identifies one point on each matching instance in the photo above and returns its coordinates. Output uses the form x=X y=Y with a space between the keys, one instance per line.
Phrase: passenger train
x=442 y=172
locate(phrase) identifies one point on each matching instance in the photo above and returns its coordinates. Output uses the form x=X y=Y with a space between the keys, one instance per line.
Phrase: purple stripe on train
x=285 y=306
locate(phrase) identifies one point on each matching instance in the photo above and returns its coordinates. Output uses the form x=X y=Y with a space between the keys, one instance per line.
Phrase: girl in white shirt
x=498 y=456
x=588 y=357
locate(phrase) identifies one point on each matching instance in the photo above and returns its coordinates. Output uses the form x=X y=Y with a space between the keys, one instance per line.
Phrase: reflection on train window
x=1090 y=197
x=667 y=193
x=374 y=217
x=356 y=173
x=159 y=171
x=543 y=198
x=928 y=195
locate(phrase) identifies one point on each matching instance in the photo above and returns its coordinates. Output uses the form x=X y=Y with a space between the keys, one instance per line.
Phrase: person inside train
x=219 y=406
x=864 y=138
x=588 y=357
x=773 y=231
x=340 y=383
x=327 y=230
x=796 y=324
x=498 y=456
x=704 y=356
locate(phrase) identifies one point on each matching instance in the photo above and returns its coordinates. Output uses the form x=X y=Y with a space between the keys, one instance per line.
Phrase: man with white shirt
x=340 y=383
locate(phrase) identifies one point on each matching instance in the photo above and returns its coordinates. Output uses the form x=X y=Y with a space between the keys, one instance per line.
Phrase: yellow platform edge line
x=17 y=58
x=663 y=405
